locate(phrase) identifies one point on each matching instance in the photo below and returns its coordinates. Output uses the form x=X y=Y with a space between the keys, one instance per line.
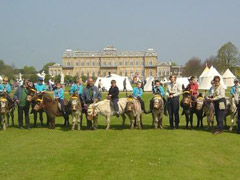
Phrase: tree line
x=226 y=57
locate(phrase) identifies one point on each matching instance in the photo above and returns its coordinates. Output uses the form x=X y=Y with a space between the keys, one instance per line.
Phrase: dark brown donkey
x=51 y=107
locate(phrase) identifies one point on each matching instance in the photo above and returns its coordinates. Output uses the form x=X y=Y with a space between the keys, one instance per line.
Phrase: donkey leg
x=12 y=116
x=187 y=120
x=123 y=120
x=108 y=122
x=41 y=118
x=231 y=126
x=79 y=122
x=73 y=122
x=4 y=123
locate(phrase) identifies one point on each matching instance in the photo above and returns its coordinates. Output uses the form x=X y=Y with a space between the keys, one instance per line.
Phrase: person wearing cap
x=113 y=96
x=219 y=100
x=6 y=87
x=173 y=92
x=193 y=88
x=20 y=97
x=76 y=88
x=40 y=86
x=235 y=89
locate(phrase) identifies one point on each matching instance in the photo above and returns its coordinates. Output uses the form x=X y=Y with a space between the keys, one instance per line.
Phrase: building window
x=159 y=73
x=93 y=63
x=120 y=62
x=131 y=62
x=150 y=72
x=82 y=63
x=126 y=62
x=93 y=73
x=163 y=72
x=109 y=63
x=88 y=64
x=87 y=73
x=143 y=72
x=126 y=72
x=104 y=63
x=150 y=63
x=136 y=62
x=120 y=73
x=68 y=63
x=142 y=62
x=76 y=63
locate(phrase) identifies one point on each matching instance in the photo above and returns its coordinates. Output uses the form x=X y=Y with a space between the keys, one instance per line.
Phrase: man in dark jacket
x=113 y=96
x=90 y=94
x=20 y=96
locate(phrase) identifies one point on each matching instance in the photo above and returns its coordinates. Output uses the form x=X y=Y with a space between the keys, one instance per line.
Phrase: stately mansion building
x=110 y=60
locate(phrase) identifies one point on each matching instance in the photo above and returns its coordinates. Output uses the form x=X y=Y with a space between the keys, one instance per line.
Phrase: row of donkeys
x=129 y=106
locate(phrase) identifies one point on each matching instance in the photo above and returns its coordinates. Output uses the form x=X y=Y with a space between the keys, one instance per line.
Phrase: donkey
x=106 y=109
x=36 y=100
x=51 y=107
x=187 y=105
x=3 y=110
x=209 y=111
x=134 y=111
x=157 y=112
x=231 y=111
x=76 y=108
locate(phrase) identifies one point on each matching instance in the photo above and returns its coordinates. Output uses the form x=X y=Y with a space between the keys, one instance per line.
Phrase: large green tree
x=193 y=67
x=6 y=70
x=45 y=67
x=228 y=56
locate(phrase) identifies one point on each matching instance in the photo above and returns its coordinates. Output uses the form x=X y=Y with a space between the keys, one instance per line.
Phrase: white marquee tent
x=205 y=82
x=183 y=81
x=203 y=74
x=148 y=85
x=106 y=82
x=228 y=78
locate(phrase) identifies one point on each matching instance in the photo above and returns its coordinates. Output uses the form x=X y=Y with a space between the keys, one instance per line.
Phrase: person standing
x=100 y=85
x=174 y=89
x=20 y=97
x=137 y=93
x=125 y=85
x=90 y=94
x=113 y=95
x=219 y=101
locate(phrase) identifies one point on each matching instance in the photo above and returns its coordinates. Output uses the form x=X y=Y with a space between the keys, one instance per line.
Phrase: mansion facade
x=101 y=63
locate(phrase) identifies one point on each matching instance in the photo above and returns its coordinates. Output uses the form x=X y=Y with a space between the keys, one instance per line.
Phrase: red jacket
x=193 y=88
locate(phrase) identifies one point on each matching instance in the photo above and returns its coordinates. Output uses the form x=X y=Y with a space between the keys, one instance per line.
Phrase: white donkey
x=105 y=108
x=76 y=109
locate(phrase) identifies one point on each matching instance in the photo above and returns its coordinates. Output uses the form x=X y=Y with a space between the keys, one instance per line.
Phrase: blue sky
x=36 y=32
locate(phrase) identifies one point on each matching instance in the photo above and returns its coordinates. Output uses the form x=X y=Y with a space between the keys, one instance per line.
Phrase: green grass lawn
x=41 y=153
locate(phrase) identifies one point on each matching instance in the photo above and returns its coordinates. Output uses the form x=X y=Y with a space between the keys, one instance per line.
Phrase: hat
x=40 y=78
x=236 y=80
x=5 y=79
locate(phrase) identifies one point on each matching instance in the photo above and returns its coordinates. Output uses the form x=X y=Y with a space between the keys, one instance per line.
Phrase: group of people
x=91 y=94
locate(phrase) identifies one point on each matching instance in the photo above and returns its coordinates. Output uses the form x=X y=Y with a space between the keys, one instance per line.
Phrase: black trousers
x=115 y=104
x=173 y=110
x=238 y=123
x=142 y=104
x=23 y=110
x=220 y=114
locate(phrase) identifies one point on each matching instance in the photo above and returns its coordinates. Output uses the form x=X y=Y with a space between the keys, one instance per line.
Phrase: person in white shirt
x=219 y=100
x=174 y=89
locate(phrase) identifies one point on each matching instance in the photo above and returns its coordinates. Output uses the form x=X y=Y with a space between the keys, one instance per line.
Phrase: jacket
x=86 y=97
